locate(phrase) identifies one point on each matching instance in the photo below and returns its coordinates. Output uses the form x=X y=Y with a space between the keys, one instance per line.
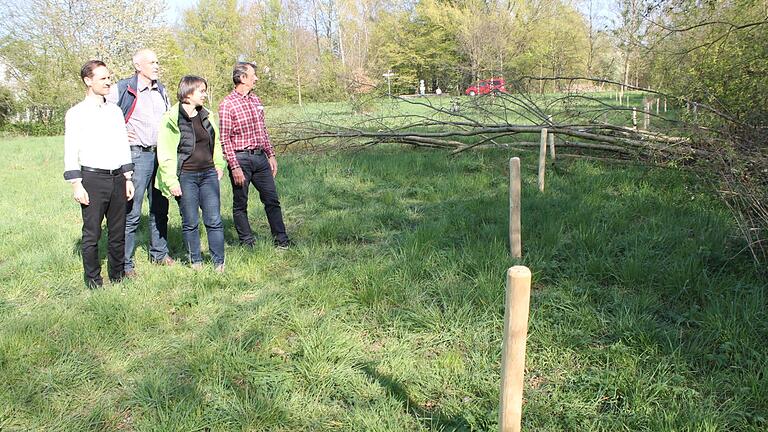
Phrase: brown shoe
x=131 y=274
x=219 y=268
x=196 y=266
x=166 y=261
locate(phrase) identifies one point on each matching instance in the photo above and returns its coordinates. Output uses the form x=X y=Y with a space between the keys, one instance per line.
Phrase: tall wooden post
x=542 y=158
x=517 y=305
x=515 y=239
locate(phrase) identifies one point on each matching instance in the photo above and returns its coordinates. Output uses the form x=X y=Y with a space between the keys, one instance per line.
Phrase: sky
x=173 y=12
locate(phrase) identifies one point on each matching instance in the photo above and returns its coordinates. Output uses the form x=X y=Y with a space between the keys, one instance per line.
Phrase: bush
x=55 y=127
x=7 y=105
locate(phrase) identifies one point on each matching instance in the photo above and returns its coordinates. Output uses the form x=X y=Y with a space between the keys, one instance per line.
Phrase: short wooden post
x=516 y=308
x=634 y=118
x=657 y=106
x=551 y=139
x=515 y=239
x=542 y=158
x=665 y=104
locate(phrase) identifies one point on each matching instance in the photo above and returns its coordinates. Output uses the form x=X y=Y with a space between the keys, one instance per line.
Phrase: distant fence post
x=516 y=308
x=551 y=138
x=542 y=158
x=634 y=118
x=647 y=115
x=515 y=239
x=665 y=104
x=657 y=106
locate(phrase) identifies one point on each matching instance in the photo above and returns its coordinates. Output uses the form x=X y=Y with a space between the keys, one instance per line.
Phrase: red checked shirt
x=242 y=126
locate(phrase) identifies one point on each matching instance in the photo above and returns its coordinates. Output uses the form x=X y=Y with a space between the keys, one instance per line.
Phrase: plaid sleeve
x=262 y=131
x=225 y=134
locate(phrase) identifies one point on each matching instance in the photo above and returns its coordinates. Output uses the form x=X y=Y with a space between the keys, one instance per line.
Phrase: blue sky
x=175 y=7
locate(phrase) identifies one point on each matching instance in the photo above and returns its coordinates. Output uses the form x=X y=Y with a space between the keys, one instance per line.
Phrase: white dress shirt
x=95 y=137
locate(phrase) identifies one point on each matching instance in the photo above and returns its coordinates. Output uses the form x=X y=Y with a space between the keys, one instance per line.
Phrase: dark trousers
x=106 y=194
x=257 y=172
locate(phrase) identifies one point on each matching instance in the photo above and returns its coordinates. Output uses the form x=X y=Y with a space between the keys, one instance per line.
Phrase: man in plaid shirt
x=250 y=156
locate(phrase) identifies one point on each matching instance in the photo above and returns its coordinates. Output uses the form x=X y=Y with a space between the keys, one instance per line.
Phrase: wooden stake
x=517 y=305
x=657 y=106
x=647 y=116
x=515 y=243
x=551 y=139
x=665 y=104
x=542 y=158
x=634 y=118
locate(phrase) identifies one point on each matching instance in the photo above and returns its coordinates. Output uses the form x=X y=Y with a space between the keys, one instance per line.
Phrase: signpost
x=388 y=76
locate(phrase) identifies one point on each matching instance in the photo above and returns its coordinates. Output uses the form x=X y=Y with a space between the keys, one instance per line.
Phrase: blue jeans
x=200 y=190
x=144 y=170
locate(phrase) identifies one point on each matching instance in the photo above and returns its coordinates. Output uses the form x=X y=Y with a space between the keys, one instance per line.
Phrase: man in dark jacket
x=143 y=101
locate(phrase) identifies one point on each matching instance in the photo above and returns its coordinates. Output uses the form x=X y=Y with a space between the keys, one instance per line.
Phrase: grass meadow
x=646 y=312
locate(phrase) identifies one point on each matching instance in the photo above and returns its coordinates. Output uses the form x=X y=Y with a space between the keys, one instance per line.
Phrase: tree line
x=321 y=50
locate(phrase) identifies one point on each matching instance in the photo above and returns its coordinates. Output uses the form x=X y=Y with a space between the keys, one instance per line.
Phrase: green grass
x=645 y=312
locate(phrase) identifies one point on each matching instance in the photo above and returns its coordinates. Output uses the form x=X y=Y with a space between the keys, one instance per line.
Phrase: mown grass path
x=387 y=316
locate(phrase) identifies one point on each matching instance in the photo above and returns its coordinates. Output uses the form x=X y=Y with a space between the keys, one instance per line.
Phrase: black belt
x=144 y=149
x=113 y=172
x=250 y=151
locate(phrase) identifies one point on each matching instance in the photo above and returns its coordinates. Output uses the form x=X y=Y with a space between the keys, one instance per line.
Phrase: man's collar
x=248 y=94
x=142 y=84
x=95 y=100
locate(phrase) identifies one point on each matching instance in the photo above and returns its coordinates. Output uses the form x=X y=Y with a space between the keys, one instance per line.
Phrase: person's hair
x=87 y=70
x=188 y=85
x=241 y=68
x=138 y=55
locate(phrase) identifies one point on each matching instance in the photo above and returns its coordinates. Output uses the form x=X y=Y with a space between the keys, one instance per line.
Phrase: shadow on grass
x=431 y=419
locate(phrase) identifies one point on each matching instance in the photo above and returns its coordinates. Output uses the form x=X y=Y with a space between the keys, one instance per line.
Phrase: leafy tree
x=7 y=105
x=210 y=41
x=46 y=42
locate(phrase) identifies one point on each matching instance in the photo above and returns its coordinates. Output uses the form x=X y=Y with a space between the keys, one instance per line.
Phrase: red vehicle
x=493 y=85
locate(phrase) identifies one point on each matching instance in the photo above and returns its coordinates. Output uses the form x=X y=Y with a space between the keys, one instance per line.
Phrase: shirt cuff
x=72 y=175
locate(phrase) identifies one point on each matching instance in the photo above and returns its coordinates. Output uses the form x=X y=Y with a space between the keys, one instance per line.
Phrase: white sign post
x=388 y=76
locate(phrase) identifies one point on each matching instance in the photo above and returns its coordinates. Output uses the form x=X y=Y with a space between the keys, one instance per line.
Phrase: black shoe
x=93 y=284
x=283 y=245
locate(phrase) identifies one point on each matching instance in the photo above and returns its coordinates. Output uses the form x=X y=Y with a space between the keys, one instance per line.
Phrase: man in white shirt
x=97 y=162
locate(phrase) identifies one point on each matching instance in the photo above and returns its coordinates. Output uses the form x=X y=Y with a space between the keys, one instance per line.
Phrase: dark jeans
x=106 y=194
x=144 y=171
x=200 y=190
x=257 y=172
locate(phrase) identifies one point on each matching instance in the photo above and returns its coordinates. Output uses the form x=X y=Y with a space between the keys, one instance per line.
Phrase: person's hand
x=273 y=165
x=176 y=191
x=129 y=189
x=219 y=173
x=238 y=177
x=79 y=193
x=132 y=137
